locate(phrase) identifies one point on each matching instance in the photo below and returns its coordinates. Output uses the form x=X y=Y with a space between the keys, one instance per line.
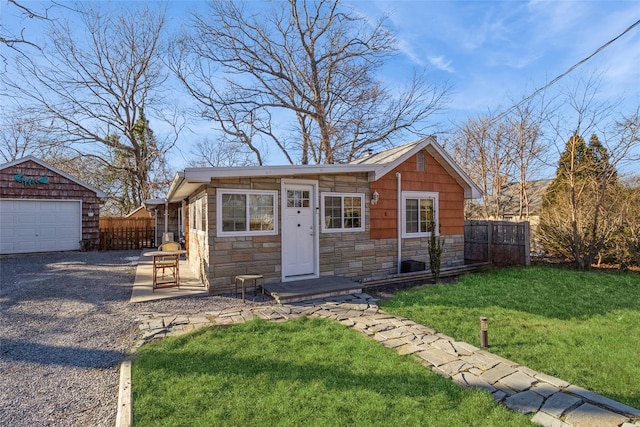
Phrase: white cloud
x=405 y=48
x=441 y=63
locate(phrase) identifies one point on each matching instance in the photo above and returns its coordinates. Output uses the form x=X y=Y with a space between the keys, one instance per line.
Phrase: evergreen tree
x=573 y=165
x=579 y=216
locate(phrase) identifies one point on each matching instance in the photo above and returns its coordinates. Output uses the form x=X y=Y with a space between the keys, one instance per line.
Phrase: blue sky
x=492 y=51
x=489 y=52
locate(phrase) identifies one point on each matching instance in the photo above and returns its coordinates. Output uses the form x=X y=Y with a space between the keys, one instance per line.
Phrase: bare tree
x=629 y=252
x=528 y=150
x=223 y=153
x=19 y=135
x=483 y=148
x=300 y=77
x=582 y=210
x=95 y=82
x=17 y=40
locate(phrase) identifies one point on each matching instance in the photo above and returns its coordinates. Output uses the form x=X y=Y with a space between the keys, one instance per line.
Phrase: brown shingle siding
x=58 y=188
x=434 y=178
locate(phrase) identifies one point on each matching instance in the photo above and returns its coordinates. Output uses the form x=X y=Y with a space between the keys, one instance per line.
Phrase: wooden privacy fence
x=127 y=233
x=501 y=243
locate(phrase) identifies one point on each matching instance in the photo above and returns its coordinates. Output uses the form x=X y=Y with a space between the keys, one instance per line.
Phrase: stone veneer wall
x=356 y=258
x=232 y=256
x=353 y=255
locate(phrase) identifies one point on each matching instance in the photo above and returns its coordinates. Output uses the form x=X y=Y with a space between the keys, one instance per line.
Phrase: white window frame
x=342 y=229
x=197 y=209
x=247 y=193
x=408 y=195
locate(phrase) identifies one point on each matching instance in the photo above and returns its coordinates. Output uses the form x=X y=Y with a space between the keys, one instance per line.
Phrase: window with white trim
x=199 y=213
x=342 y=212
x=420 y=213
x=246 y=212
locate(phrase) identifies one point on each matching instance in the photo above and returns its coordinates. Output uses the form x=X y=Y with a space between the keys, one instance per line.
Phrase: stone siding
x=232 y=256
x=347 y=254
x=359 y=257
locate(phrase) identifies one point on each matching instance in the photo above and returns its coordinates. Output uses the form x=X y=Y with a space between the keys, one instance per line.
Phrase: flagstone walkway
x=552 y=401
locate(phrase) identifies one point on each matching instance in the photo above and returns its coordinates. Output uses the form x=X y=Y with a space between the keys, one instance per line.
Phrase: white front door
x=299 y=252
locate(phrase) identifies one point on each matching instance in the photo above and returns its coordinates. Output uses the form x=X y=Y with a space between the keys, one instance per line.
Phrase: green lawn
x=305 y=372
x=583 y=327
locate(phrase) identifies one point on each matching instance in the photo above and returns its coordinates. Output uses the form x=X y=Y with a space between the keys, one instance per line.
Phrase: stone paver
x=518 y=381
x=559 y=403
x=545 y=389
x=554 y=402
x=588 y=415
x=526 y=402
x=497 y=373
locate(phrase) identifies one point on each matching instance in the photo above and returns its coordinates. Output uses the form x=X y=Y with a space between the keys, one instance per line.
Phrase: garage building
x=44 y=209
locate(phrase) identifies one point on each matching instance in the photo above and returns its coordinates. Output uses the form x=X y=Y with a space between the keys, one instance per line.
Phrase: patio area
x=190 y=285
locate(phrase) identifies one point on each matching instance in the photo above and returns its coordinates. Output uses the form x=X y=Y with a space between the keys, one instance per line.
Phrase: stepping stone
x=393 y=333
x=547 y=420
x=436 y=357
x=603 y=401
x=463 y=349
x=588 y=415
x=526 y=402
x=560 y=403
x=468 y=380
x=181 y=320
x=379 y=327
x=455 y=367
x=499 y=395
x=155 y=323
x=552 y=380
x=544 y=389
x=445 y=345
x=497 y=372
x=427 y=339
x=498 y=358
x=518 y=381
x=395 y=343
x=408 y=349
x=480 y=361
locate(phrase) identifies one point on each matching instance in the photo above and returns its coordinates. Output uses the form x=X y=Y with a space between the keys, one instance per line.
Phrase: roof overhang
x=471 y=190
x=186 y=182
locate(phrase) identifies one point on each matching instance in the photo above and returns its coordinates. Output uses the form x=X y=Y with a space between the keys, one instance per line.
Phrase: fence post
x=527 y=243
x=489 y=241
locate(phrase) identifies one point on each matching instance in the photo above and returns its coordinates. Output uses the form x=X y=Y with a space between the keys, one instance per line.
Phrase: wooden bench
x=248 y=277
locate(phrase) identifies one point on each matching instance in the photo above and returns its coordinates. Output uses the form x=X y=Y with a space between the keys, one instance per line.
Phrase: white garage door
x=39 y=226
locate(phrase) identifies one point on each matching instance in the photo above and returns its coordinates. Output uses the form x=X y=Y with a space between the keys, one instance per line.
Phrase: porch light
x=374 y=197
x=90 y=213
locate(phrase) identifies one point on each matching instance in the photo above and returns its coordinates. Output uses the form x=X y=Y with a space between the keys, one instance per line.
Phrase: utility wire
x=545 y=87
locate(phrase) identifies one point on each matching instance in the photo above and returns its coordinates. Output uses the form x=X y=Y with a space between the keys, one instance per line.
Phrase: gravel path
x=65 y=326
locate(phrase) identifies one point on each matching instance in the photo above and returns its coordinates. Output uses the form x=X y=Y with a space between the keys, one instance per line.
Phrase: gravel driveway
x=65 y=326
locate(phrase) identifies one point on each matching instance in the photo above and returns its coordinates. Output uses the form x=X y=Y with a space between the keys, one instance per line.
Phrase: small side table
x=244 y=277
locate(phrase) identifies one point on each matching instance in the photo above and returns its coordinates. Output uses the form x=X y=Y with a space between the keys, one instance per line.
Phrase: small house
x=356 y=220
